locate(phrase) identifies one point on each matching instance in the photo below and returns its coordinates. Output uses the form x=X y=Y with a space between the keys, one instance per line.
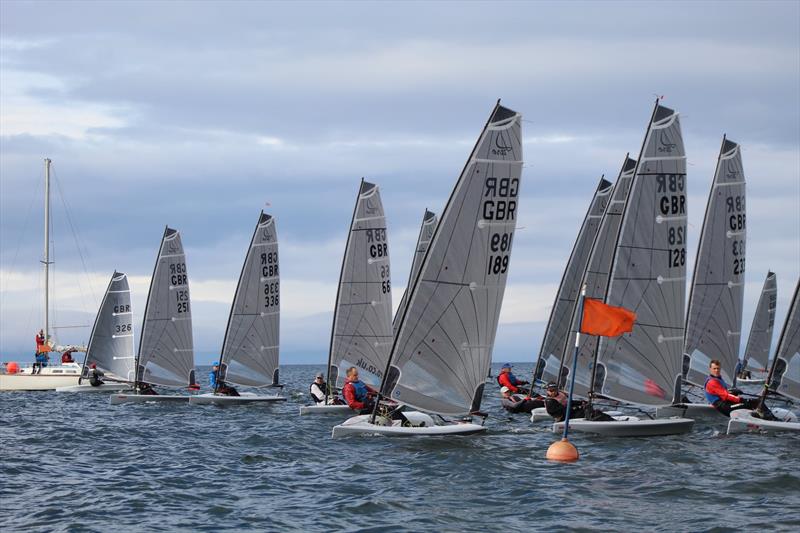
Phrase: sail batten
x=644 y=366
x=362 y=323
x=111 y=341
x=717 y=294
x=166 y=352
x=442 y=350
x=250 y=349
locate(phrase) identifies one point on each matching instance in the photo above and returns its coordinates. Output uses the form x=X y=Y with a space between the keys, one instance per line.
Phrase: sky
x=198 y=115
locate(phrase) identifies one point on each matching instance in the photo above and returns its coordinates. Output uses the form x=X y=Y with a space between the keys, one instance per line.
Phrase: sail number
x=676 y=236
x=737 y=220
x=271 y=290
x=269 y=264
x=123 y=328
x=177 y=274
x=499 y=203
x=376 y=240
x=182 y=299
x=386 y=284
x=672 y=203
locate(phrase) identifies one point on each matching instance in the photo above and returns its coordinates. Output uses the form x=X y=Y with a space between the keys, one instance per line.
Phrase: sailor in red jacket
x=506 y=379
x=718 y=395
x=358 y=394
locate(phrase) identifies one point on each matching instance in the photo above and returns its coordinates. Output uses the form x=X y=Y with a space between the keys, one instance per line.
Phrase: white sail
x=111 y=341
x=786 y=378
x=425 y=234
x=595 y=277
x=443 y=348
x=648 y=275
x=252 y=338
x=714 y=319
x=756 y=353
x=166 y=354
x=362 y=324
x=555 y=340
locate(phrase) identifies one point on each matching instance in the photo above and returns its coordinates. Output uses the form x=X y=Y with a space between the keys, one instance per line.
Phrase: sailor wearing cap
x=317 y=388
x=213 y=376
x=506 y=379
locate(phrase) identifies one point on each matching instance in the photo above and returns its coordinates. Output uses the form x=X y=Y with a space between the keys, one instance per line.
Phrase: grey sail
x=111 y=342
x=648 y=274
x=595 y=277
x=555 y=340
x=786 y=378
x=425 y=233
x=443 y=348
x=362 y=322
x=756 y=353
x=714 y=318
x=166 y=354
x=251 y=345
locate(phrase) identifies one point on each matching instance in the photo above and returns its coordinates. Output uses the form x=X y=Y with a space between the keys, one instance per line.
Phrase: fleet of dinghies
x=428 y=364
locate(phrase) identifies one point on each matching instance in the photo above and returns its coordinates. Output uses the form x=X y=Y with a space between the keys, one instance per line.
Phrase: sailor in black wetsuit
x=95 y=376
x=516 y=403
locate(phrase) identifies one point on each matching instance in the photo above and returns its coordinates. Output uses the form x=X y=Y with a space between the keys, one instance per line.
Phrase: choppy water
x=75 y=463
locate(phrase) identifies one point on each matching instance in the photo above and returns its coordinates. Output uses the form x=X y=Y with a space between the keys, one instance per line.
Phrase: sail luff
x=555 y=340
x=648 y=273
x=458 y=291
x=423 y=240
x=111 y=340
x=250 y=350
x=716 y=297
x=759 y=341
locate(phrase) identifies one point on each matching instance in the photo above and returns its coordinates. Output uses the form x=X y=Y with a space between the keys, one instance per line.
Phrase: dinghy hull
x=326 y=410
x=701 y=411
x=540 y=414
x=117 y=399
x=629 y=426
x=360 y=425
x=742 y=421
x=87 y=387
x=244 y=399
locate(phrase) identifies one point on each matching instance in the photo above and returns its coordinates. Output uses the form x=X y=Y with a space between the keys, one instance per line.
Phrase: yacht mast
x=46 y=261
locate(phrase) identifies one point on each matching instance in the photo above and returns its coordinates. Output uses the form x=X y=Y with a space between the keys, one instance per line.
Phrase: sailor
x=741 y=371
x=356 y=393
x=514 y=403
x=66 y=357
x=41 y=361
x=40 y=341
x=506 y=379
x=220 y=387
x=317 y=388
x=95 y=376
x=145 y=389
x=720 y=397
x=556 y=404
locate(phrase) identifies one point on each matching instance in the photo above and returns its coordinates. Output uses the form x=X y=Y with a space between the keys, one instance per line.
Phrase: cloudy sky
x=198 y=115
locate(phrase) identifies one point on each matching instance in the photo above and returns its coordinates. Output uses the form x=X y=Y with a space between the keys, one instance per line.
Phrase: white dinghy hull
x=629 y=426
x=242 y=399
x=742 y=420
x=422 y=425
x=342 y=409
x=751 y=381
x=117 y=399
x=88 y=387
x=540 y=414
x=702 y=411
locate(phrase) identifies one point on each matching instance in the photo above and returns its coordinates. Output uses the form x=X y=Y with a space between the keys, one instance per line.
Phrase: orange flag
x=605 y=320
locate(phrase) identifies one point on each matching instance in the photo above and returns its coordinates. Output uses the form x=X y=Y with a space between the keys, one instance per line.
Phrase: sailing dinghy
x=361 y=334
x=111 y=341
x=648 y=276
x=251 y=343
x=166 y=353
x=756 y=353
x=783 y=379
x=443 y=348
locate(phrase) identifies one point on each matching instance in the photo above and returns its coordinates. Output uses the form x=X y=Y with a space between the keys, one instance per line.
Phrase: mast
x=46 y=261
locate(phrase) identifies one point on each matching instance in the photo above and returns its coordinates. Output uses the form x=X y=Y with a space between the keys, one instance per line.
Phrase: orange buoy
x=12 y=367
x=562 y=450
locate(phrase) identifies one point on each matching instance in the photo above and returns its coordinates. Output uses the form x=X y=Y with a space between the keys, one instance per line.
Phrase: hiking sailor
x=357 y=394
x=506 y=379
x=95 y=376
x=219 y=386
x=514 y=403
x=317 y=388
x=718 y=394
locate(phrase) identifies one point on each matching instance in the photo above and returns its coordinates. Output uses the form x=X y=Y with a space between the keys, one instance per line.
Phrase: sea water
x=72 y=462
